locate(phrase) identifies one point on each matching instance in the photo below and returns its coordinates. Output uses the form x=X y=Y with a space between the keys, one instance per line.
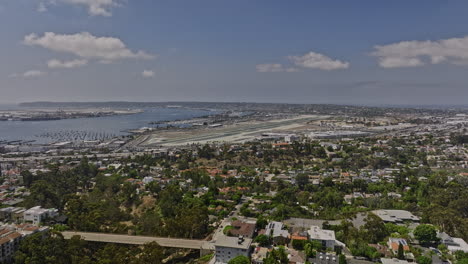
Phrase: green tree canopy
x=425 y=233
x=239 y=260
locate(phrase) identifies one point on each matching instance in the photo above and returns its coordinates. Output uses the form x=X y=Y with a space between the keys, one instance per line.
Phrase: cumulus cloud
x=42 y=7
x=29 y=74
x=273 y=67
x=148 y=74
x=86 y=46
x=396 y=62
x=95 y=7
x=57 y=64
x=313 y=60
x=419 y=53
x=34 y=73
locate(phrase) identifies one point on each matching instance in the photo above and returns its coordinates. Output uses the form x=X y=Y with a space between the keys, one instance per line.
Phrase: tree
x=425 y=233
x=263 y=240
x=309 y=250
x=277 y=256
x=169 y=200
x=43 y=248
x=459 y=255
x=152 y=253
x=303 y=198
x=401 y=252
x=315 y=244
x=112 y=254
x=129 y=193
x=298 y=244
x=28 y=178
x=424 y=260
x=261 y=222
x=153 y=187
x=206 y=152
x=342 y=259
x=239 y=260
x=43 y=194
x=302 y=180
x=374 y=228
x=150 y=223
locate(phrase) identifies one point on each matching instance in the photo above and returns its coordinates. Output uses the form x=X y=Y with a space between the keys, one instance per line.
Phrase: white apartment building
x=326 y=237
x=228 y=248
x=36 y=215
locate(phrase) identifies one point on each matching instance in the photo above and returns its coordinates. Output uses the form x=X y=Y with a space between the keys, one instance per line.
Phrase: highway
x=50 y=157
x=136 y=240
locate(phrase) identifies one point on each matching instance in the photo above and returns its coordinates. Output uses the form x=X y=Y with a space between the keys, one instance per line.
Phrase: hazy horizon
x=435 y=106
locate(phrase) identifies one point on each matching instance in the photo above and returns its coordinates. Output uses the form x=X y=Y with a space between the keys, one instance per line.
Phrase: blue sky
x=302 y=51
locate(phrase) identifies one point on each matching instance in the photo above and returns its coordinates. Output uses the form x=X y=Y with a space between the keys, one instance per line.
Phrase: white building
x=36 y=215
x=227 y=248
x=326 y=237
x=276 y=231
x=147 y=180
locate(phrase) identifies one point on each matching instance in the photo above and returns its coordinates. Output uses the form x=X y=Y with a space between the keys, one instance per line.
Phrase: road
x=137 y=240
x=46 y=157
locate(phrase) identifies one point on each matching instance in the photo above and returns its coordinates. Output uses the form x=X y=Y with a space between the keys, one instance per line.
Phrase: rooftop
x=395 y=215
x=233 y=242
x=393 y=261
x=462 y=245
x=316 y=232
x=242 y=228
x=275 y=229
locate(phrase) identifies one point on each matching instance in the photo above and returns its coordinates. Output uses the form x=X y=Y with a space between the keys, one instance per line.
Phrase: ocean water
x=89 y=128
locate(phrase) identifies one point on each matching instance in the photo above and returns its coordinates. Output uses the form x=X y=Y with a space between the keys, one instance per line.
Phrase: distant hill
x=260 y=107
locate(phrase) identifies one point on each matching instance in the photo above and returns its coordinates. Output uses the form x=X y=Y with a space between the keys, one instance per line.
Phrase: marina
x=89 y=129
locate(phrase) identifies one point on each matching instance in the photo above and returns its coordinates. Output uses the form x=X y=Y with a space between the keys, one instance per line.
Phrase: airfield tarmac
x=239 y=132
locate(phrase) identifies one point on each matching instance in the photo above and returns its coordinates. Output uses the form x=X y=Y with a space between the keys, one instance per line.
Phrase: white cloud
x=291 y=69
x=86 y=46
x=57 y=64
x=42 y=7
x=419 y=53
x=34 y=73
x=273 y=67
x=311 y=60
x=314 y=60
x=29 y=74
x=95 y=7
x=396 y=62
x=148 y=74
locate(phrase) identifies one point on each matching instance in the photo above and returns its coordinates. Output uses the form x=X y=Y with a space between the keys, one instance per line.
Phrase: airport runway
x=241 y=132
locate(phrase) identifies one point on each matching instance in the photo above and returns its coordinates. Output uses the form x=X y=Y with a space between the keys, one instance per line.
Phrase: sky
x=342 y=52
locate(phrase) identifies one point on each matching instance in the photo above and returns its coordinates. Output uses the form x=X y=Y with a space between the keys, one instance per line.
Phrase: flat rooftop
x=395 y=215
x=232 y=242
x=316 y=232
